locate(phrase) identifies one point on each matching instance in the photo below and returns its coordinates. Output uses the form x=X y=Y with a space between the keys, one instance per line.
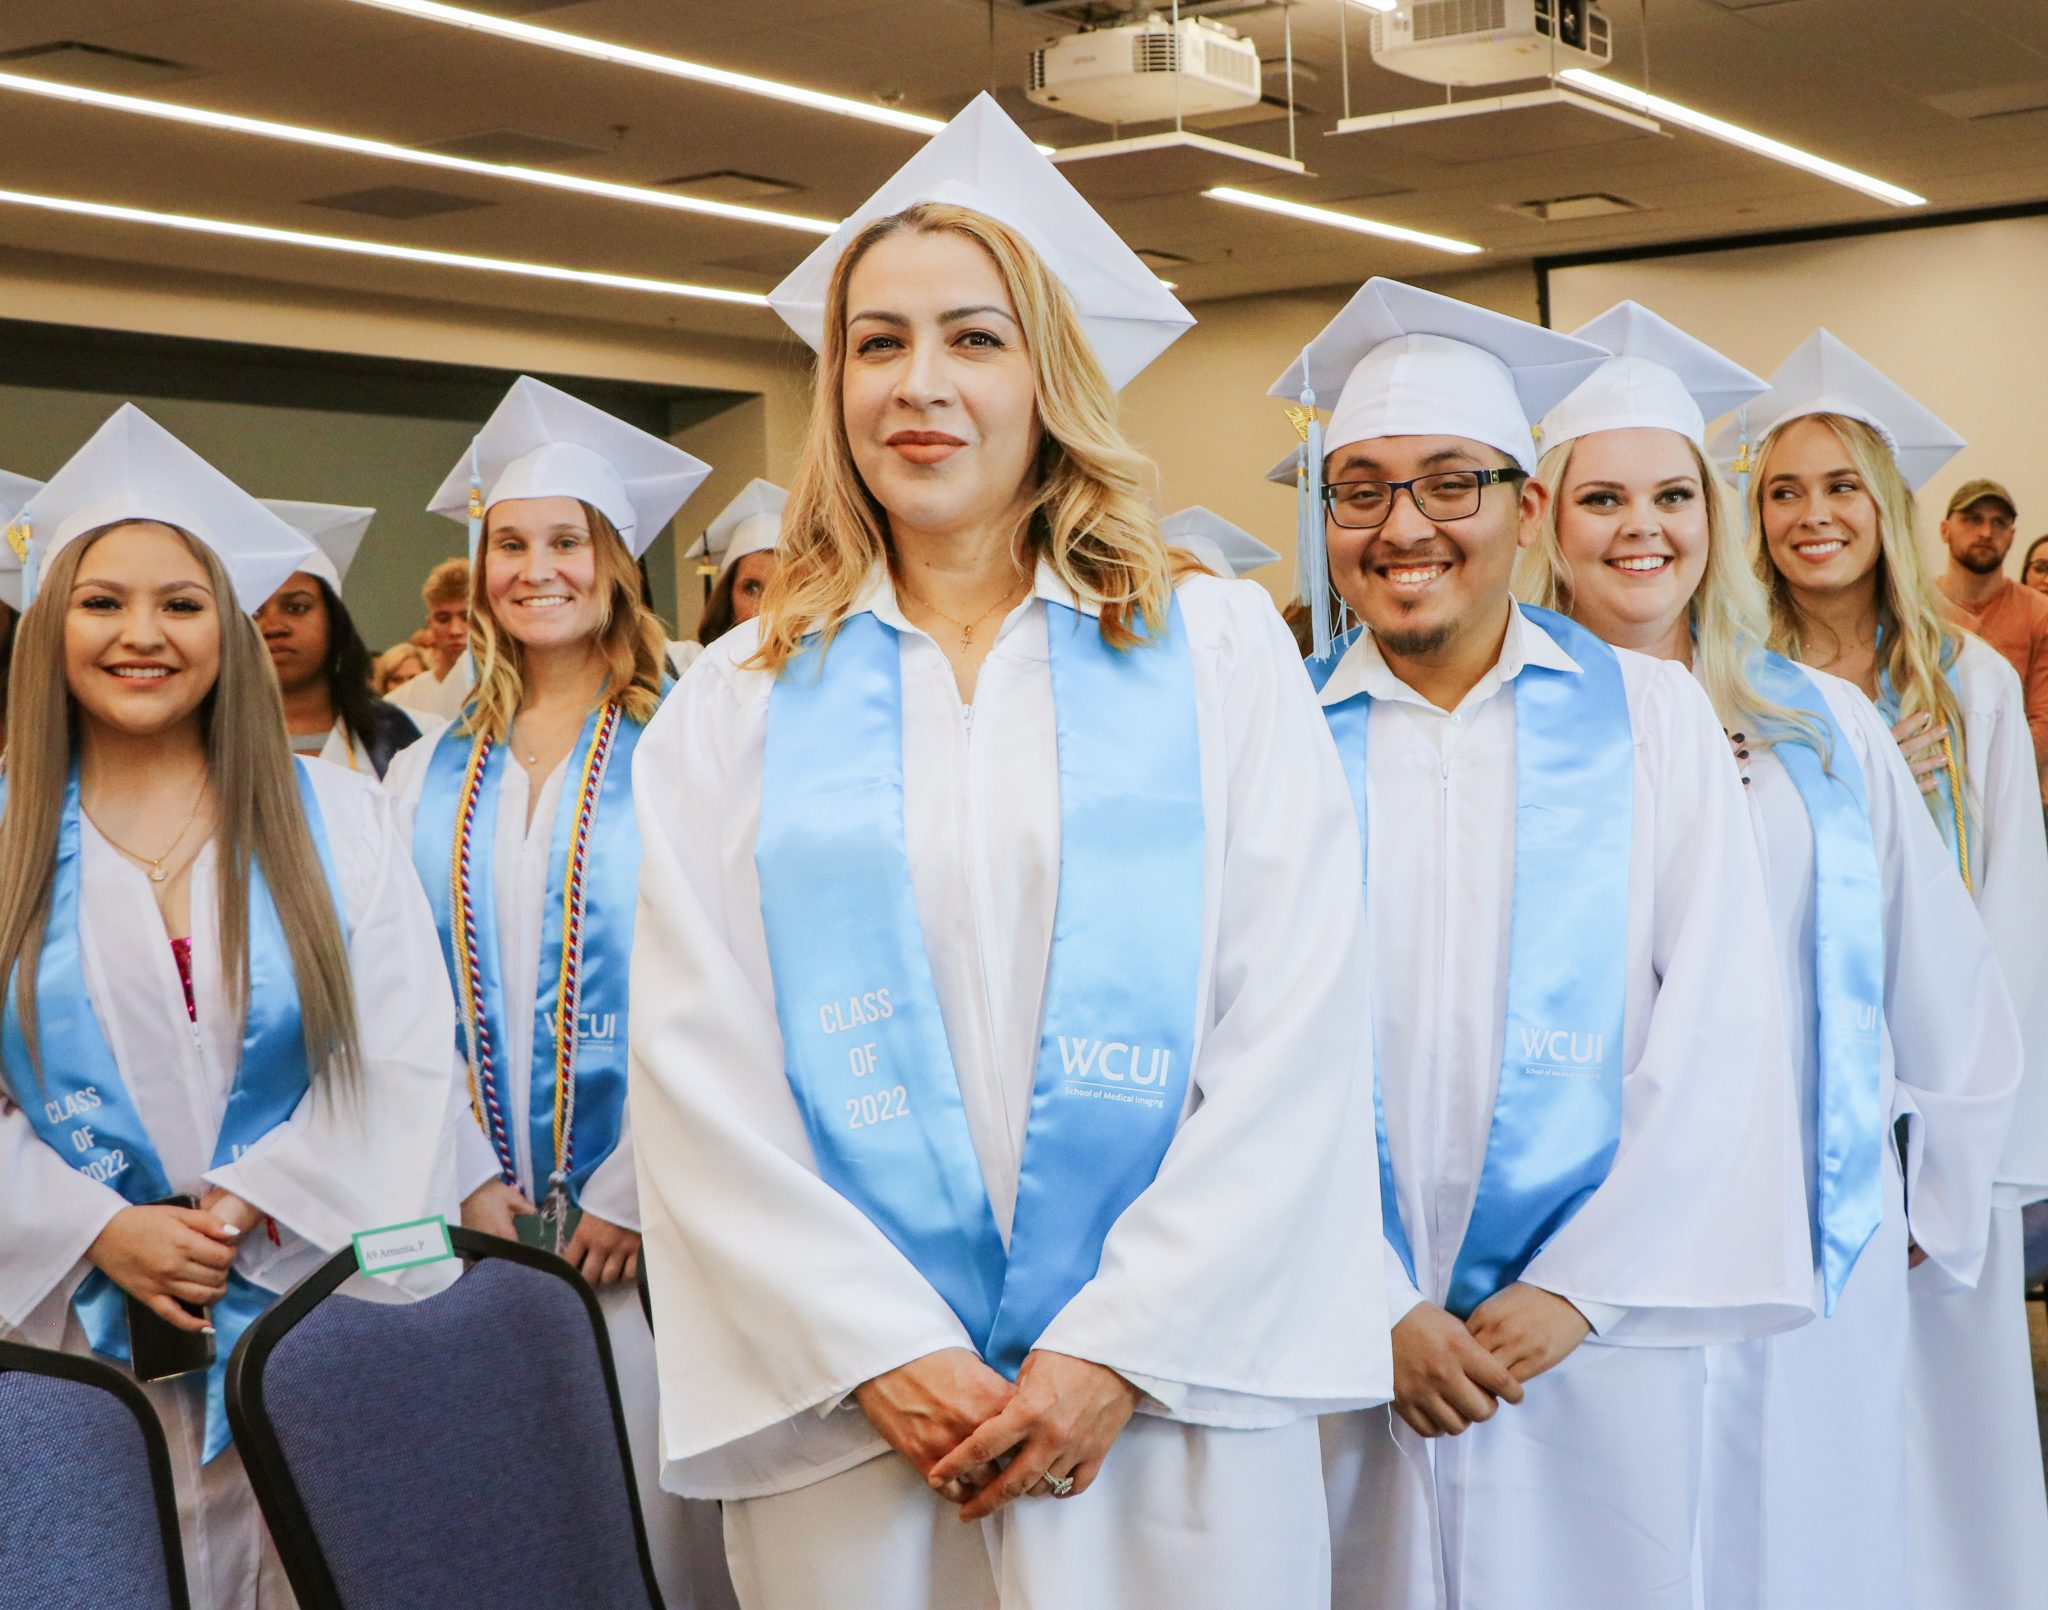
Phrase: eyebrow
x=954 y=316
x=1618 y=486
x=167 y=588
x=1442 y=455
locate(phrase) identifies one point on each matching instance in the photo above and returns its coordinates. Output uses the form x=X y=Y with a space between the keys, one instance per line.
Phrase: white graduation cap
x=1659 y=378
x=1283 y=473
x=751 y=523
x=1825 y=376
x=543 y=443
x=15 y=491
x=134 y=469
x=335 y=530
x=1226 y=549
x=982 y=161
x=1407 y=362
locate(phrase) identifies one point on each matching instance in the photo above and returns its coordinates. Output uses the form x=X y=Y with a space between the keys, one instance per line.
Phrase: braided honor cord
x=570 y=990
x=483 y=1082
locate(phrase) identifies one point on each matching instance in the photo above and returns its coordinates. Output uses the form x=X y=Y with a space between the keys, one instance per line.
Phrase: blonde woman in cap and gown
x=998 y=1065
x=1841 y=449
x=524 y=803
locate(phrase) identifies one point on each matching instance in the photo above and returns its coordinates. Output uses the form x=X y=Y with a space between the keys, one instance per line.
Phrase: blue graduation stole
x=82 y=1108
x=864 y=1043
x=1557 y=1111
x=577 y=1101
x=1848 y=976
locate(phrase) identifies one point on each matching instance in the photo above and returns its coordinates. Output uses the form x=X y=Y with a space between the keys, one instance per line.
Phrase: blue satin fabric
x=1951 y=815
x=83 y=1110
x=1557 y=1110
x=1848 y=978
x=611 y=899
x=864 y=1041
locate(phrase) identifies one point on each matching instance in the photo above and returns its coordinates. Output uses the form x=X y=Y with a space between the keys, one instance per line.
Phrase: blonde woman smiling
x=1831 y=496
x=996 y=1030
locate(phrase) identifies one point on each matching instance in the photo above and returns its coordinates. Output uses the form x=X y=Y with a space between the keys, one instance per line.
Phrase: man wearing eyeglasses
x=1589 y=1163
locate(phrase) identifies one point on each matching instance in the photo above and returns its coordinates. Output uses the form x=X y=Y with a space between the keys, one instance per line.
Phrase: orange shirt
x=2015 y=623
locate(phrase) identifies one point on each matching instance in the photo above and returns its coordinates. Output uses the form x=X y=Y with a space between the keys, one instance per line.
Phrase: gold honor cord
x=1955 y=794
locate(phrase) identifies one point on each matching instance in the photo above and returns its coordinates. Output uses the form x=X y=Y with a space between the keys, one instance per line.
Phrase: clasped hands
x=981 y=1442
x=1450 y=1374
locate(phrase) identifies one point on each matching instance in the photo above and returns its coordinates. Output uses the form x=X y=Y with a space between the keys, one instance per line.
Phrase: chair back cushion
x=79 y=1527
x=459 y=1451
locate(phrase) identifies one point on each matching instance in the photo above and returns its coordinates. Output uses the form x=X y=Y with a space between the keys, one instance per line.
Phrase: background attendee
x=2034 y=568
x=1843 y=450
x=397 y=665
x=527 y=801
x=741 y=540
x=2008 y=615
x=15 y=490
x=1228 y=550
x=443 y=688
x=189 y=912
x=323 y=668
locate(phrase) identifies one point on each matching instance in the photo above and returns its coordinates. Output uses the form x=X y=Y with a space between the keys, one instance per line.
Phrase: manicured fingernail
x=1745 y=782
x=1742 y=737
x=207 y=1332
x=230 y=1229
x=1742 y=754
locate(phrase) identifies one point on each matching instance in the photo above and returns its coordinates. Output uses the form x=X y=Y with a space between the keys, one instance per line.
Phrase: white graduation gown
x=1585 y=1493
x=1240 y=1291
x=320 y=1177
x=683 y=1539
x=1805 y=1492
x=344 y=751
x=1980 y=1511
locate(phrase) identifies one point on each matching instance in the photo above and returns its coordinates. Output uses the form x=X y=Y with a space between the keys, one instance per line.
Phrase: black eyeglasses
x=1448 y=495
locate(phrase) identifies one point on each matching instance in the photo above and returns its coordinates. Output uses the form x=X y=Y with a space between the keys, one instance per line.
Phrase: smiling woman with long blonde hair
x=1843 y=449
x=186 y=912
x=524 y=804
x=994 y=1014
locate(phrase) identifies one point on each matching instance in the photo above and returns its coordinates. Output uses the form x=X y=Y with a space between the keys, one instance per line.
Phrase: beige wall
x=1202 y=413
x=1953 y=313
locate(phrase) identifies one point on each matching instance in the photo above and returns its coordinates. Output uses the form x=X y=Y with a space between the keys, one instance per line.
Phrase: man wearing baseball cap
x=1977 y=532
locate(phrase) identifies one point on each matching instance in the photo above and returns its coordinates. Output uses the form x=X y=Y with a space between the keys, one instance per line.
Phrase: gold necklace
x=157 y=874
x=966 y=629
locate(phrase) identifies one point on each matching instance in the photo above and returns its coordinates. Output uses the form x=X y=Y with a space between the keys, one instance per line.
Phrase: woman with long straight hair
x=225 y=1036
x=1895 y=1007
x=740 y=541
x=1841 y=451
x=521 y=822
x=1007 y=1145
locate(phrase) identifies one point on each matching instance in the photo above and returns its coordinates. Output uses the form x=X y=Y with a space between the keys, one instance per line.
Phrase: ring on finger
x=1059 y=1486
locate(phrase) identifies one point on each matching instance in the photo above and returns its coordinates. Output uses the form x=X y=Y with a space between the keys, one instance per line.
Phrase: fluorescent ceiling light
x=1341 y=220
x=373 y=248
x=651 y=61
x=1762 y=144
x=1384 y=6
x=197 y=117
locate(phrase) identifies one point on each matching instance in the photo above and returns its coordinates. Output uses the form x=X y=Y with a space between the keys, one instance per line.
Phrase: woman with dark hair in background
x=323 y=666
x=2034 y=568
x=741 y=543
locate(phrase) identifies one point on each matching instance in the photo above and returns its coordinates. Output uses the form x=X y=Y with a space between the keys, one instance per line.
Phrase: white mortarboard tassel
x=15 y=491
x=335 y=530
x=1824 y=376
x=982 y=161
x=541 y=442
x=1227 y=549
x=751 y=523
x=1659 y=378
x=134 y=469
x=1407 y=362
